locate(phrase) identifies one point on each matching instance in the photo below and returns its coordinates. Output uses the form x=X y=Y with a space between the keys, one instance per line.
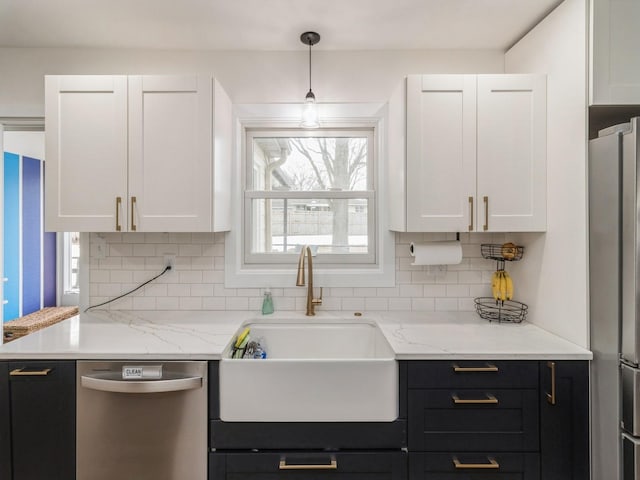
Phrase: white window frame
x=334 y=260
x=381 y=272
x=66 y=295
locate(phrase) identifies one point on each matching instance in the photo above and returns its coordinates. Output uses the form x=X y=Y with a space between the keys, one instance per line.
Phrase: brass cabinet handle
x=333 y=465
x=471 y=214
x=551 y=397
x=133 y=221
x=118 y=204
x=21 y=372
x=474 y=401
x=486 y=214
x=489 y=368
x=492 y=464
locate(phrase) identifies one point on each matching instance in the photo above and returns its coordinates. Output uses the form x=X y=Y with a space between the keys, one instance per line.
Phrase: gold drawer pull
x=471 y=214
x=488 y=368
x=492 y=464
x=461 y=401
x=551 y=397
x=330 y=466
x=20 y=372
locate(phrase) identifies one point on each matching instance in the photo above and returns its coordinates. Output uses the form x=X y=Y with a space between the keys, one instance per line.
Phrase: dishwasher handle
x=103 y=383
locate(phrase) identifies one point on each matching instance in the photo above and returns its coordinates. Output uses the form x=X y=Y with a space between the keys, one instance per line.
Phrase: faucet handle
x=317 y=301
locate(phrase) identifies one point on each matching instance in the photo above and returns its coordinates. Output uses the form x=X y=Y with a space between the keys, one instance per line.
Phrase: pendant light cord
x=309 y=65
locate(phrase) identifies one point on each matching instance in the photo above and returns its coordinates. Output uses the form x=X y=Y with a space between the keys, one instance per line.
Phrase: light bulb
x=310 y=112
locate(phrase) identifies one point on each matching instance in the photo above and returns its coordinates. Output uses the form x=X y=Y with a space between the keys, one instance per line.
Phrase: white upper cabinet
x=167 y=160
x=615 y=62
x=86 y=152
x=441 y=152
x=512 y=153
x=475 y=157
x=170 y=168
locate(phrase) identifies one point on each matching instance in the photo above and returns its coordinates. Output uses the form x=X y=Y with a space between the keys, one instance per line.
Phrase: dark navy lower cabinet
x=564 y=420
x=473 y=419
x=5 y=422
x=493 y=420
x=296 y=465
x=472 y=466
x=38 y=420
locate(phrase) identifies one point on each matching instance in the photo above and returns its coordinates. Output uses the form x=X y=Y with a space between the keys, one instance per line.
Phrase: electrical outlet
x=169 y=260
x=101 y=246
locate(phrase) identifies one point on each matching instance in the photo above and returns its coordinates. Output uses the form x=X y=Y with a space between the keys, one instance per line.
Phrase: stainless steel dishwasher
x=139 y=420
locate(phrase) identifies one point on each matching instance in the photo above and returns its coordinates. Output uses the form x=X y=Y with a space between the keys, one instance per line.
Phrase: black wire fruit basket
x=501 y=310
x=501 y=252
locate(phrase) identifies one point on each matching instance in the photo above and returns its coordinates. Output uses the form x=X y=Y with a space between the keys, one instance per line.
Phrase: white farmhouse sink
x=315 y=371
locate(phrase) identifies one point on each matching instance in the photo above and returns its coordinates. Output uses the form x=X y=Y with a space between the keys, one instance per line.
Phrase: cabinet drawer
x=473 y=374
x=472 y=465
x=473 y=420
x=308 y=435
x=308 y=465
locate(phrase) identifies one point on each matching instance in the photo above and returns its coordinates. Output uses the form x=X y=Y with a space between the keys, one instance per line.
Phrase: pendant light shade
x=309 y=110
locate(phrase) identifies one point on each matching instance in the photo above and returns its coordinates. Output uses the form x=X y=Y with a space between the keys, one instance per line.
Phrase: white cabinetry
x=615 y=62
x=136 y=153
x=86 y=152
x=475 y=157
x=511 y=153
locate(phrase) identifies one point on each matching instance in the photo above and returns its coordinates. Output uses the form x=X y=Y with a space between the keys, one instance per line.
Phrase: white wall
x=248 y=77
x=29 y=144
x=554 y=272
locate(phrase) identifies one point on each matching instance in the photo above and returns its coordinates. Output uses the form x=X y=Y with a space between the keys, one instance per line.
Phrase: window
x=323 y=188
x=71 y=259
x=310 y=188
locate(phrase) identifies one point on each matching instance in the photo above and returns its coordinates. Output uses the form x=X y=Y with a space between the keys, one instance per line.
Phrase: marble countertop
x=202 y=335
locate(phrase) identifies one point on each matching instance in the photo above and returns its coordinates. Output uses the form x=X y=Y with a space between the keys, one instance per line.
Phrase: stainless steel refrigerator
x=614 y=281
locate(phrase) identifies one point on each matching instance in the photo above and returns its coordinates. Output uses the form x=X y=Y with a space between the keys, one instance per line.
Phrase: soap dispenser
x=267 y=303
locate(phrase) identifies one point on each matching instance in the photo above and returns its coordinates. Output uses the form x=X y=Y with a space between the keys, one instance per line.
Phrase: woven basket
x=36 y=321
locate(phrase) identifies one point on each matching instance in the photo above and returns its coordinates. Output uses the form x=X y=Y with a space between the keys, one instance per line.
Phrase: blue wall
x=12 y=235
x=29 y=253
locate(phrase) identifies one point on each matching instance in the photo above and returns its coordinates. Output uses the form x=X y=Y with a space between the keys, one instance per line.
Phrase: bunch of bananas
x=501 y=286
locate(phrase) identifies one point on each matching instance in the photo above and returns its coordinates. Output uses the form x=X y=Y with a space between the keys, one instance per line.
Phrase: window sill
x=376 y=276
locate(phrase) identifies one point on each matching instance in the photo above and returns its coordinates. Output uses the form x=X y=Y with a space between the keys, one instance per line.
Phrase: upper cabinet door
x=615 y=63
x=511 y=153
x=86 y=153
x=170 y=151
x=441 y=146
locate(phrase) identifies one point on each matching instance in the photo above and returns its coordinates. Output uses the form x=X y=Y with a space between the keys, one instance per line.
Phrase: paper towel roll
x=436 y=253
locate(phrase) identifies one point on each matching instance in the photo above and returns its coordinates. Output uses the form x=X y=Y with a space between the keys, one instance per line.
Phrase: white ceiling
x=269 y=24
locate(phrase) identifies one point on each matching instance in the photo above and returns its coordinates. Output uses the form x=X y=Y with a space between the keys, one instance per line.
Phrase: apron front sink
x=315 y=371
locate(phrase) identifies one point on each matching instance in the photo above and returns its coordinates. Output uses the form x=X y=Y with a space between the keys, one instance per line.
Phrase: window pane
x=72 y=261
x=310 y=163
x=335 y=226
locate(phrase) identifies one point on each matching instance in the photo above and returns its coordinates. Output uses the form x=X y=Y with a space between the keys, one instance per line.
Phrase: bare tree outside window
x=344 y=161
x=316 y=190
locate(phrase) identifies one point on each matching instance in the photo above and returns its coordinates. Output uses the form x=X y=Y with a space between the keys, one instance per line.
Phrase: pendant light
x=310 y=111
